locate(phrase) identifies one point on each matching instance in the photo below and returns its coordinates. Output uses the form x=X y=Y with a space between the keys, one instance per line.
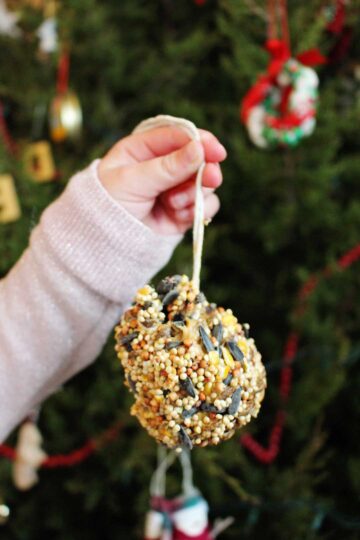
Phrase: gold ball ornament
x=195 y=373
x=65 y=117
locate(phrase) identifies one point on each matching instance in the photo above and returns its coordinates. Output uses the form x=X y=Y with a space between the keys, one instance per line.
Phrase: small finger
x=212 y=205
x=184 y=195
x=185 y=199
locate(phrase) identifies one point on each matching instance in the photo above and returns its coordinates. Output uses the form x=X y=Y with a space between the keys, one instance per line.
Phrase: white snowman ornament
x=191 y=520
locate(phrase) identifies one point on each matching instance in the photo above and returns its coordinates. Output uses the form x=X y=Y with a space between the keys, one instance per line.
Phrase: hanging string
x=198 y=227
x=8 y=141
x=188 y=488
x=158 y=480
x=278 y=26
x=284 y=23
x=62 y=82
x=272 y=34
x=164 y=461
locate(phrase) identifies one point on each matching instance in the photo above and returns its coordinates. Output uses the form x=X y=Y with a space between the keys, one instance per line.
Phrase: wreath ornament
x=280 y=108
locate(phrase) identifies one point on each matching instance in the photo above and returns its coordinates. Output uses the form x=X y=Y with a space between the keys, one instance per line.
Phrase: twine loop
x=164 y=120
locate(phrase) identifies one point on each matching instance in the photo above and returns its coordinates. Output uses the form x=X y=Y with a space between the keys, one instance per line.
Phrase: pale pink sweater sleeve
x=85 y=260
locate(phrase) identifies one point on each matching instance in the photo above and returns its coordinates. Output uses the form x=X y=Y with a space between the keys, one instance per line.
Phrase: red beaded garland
x=268 y=454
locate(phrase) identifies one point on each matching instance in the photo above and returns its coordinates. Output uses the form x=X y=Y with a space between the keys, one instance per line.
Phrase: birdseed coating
x=195 y=373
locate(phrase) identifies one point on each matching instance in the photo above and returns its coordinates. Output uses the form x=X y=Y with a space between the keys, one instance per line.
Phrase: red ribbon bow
x=280 y=53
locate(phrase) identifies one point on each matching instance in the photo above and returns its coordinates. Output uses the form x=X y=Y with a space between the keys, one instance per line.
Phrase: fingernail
x=179 y=201
x=184 y=215
x=194 y=152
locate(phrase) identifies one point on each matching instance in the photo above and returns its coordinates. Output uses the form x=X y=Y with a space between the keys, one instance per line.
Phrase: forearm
x=58 y=304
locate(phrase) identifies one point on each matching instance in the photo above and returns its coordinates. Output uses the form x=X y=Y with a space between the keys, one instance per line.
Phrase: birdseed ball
x=195 y=373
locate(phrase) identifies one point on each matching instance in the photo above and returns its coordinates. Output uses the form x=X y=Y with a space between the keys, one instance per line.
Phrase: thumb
x=156 y=175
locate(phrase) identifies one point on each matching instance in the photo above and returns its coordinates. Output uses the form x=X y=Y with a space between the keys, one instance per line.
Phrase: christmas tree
x=287 y=214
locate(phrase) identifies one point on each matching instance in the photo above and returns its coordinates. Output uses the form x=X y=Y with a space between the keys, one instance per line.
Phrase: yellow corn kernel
x=228 y=359
x=223 y=373
x=208 y=388
x=144 y=291
x=243 y=346
x=229 y=320
x=214 y=358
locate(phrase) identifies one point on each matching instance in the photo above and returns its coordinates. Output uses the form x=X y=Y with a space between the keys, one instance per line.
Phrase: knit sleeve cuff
x=96 y=239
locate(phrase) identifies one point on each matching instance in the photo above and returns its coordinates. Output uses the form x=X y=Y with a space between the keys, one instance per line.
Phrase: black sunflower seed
x=235 y=351
x=189 y=413
x=170 y=297
x=178 y=319
x=188 y=386
x=185 y=439
x=167 y=284
x=235 y=402
x=218 y=332
x=228 y=379
x=129 y=337
x=208 y=345
x=208 y=407
x=132 y=384
x=172 y=345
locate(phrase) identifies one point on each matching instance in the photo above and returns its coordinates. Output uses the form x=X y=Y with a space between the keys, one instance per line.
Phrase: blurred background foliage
x=285 y=214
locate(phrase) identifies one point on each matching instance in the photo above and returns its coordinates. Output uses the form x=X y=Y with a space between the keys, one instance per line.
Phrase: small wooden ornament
x=39 y=162
x=29 y=456
x=9 y=203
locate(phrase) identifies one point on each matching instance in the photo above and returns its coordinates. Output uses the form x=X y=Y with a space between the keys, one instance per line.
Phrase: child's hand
x=151 y=175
